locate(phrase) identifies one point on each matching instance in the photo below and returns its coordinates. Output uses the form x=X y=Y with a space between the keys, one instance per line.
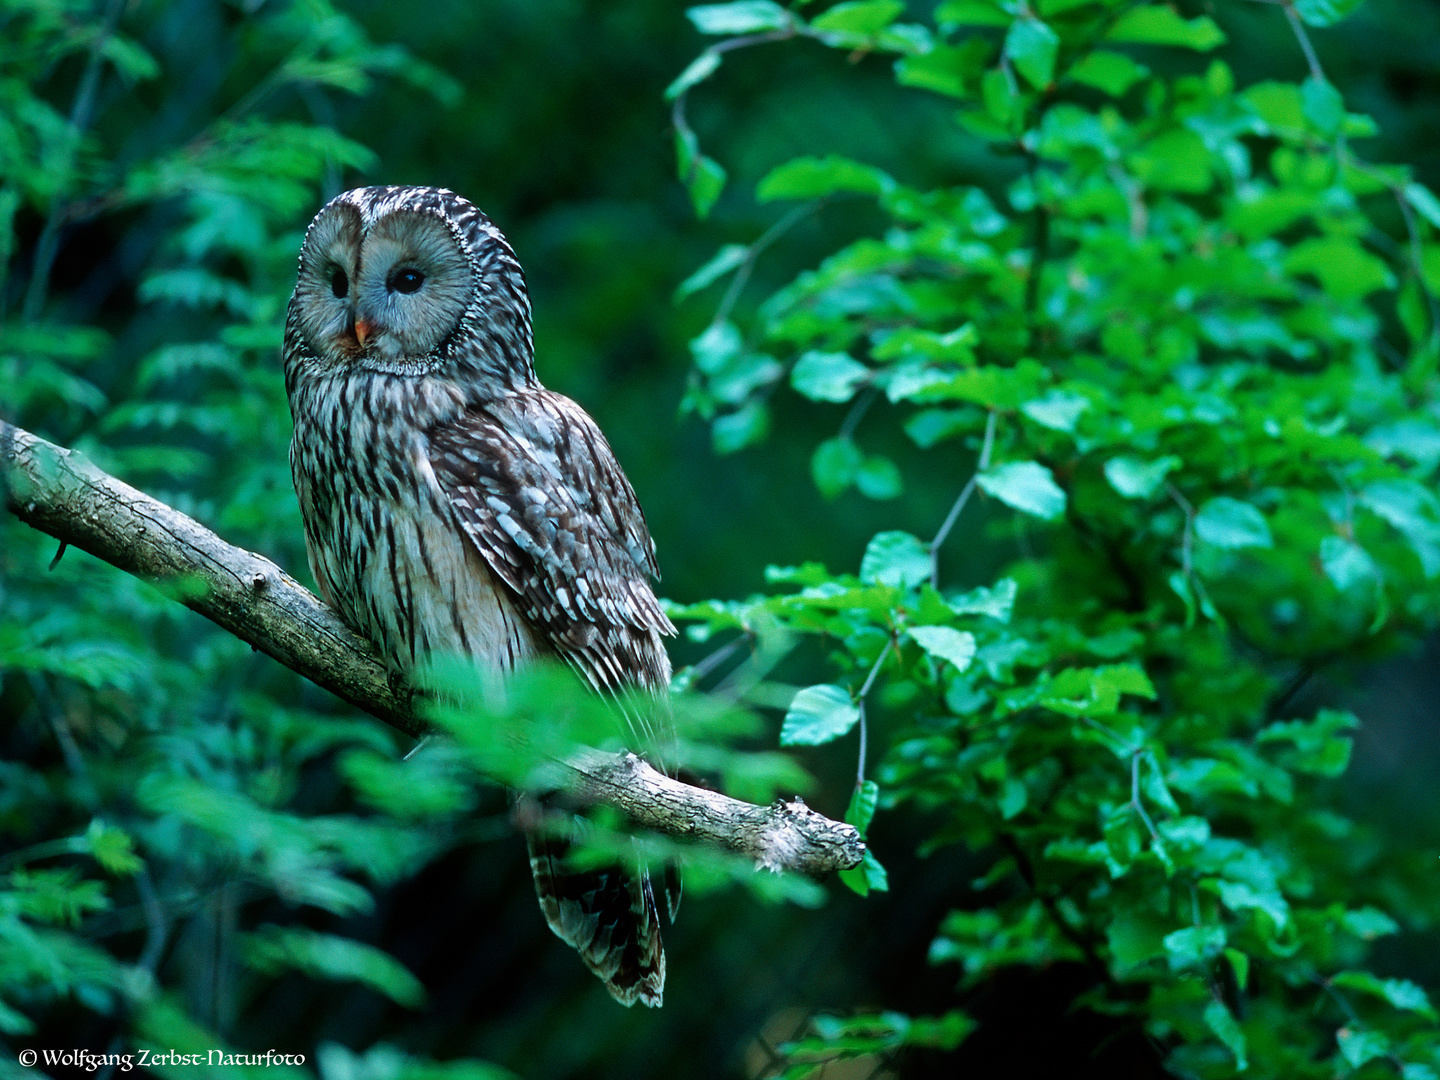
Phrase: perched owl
x=453 y=505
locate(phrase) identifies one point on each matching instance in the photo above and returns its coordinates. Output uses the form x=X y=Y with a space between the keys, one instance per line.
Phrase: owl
x=453 y=505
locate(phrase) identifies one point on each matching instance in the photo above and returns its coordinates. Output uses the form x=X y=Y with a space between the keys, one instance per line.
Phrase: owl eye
x=339 y=283
x=406 y=281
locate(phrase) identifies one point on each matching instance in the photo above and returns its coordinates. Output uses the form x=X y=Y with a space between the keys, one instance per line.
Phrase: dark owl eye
x=339 y=283
x=407 y=280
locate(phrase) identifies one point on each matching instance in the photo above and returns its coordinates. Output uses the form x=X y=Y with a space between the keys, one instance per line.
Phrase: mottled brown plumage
x=453 y=505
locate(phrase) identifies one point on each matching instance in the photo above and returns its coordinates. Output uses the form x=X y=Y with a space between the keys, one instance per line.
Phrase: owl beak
x=362 y=331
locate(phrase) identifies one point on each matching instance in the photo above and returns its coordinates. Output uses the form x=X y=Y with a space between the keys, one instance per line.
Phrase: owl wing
x=535 y=486
x=533 y=483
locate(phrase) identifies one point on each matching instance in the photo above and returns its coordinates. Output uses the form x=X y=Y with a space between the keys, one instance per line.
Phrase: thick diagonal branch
x=64 y=495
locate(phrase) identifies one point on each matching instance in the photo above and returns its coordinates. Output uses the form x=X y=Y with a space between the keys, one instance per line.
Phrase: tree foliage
x=1187 y=334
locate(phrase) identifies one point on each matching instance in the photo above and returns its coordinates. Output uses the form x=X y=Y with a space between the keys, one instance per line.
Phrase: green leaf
x=14 y=1023
x=875 y=875
x=835 y=464
x=742 y=17
x=1094 y=692
x=1154 y=24
x=952 y=13
x=1057 y=410
x=945 y=69
x=1369 y=923
x=744 y=427
x=703 y=178
x=1411 y=509
x=1321 y=746
x=113 y=849
x=859 y=16
x=1230 y=523
x=1346 y=563
x=995 y=602
x=326 y=956
x=1424 y=201
x=1358 y=1047
x=828 y=376
x=868 y=875
x=1412 y=438
x=1135 y=937
x=728 y=258
x=716 y=347
x=862 y=805
x=1028 y=486
x=1112 y=72
x=1032 y=47
x=1014 y=796
x=817 y=715
x=1136 y=479
x=879 y=478
x=1240 y=965
x=1401 y=993
x=912 y=343
x=1226 y=1028
x=1322 y=105
x=1176 y=160
x=897 y=559
x=1194 y=945
x=698 y=70
x=956 y=646
x=931 y=426
x=1325 y=12
x=1345 y=270
x=812 y=177
x=1125 y=679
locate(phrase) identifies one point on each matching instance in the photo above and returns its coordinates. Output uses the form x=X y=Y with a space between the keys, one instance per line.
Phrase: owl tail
x=608 y=916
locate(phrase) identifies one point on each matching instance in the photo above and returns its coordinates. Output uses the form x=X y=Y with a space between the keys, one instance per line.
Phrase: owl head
x=411 y=281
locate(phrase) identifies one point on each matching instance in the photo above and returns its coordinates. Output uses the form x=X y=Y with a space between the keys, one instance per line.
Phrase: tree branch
x=60 y=493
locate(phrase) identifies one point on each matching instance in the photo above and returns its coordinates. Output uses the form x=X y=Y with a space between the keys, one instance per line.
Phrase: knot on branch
x=797 y=838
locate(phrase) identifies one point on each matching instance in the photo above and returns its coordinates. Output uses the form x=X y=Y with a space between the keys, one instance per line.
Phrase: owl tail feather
x=607 y=915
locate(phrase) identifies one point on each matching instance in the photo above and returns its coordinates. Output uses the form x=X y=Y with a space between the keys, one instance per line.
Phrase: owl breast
x=380 y=534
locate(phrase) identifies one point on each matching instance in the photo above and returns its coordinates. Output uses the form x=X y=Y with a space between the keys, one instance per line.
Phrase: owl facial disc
x=389 y=290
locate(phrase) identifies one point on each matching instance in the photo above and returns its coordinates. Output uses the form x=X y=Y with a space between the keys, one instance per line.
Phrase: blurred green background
x=559 y=132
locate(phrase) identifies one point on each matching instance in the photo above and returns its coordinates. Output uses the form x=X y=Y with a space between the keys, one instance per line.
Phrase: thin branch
x=857 y=412
x=157 y=925
x=864 y=732
x=1417 y=255
x=1135 y=800
x=719 y=656
x=753 y=252
x=1316 y=71
x=60 y=493
x=1134 y=200
x=1187 y=538
x=48 y=246
x=980 y=466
